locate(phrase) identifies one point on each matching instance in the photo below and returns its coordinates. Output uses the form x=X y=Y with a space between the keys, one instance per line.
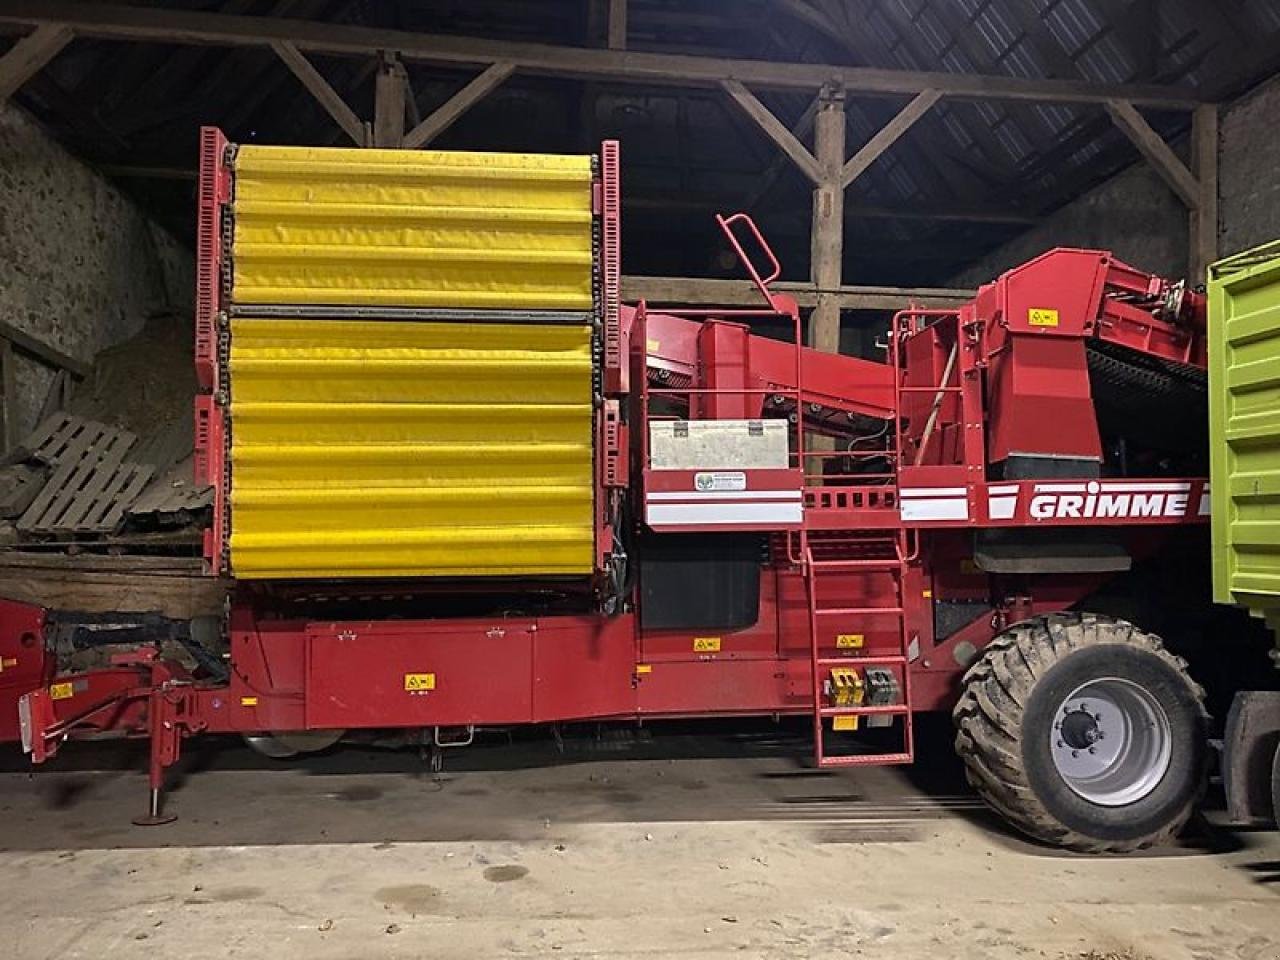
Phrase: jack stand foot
x=153 y=817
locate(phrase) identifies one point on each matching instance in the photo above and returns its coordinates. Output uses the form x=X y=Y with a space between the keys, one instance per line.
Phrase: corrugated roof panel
x=995 y=29
x=957 y=129
x=1073 y=23
x=1106 y=61
x=881 y=27
x=1013 y=140
x=1020 y=62
x=990 y=114
x=929 y=27
x=1056 y=118
x=1266 y=15
x=956 y=62
x=903 y=57
x=902 y=180
x=1085 y=154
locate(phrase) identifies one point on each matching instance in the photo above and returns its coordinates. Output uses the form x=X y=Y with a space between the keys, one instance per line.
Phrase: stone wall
x=1249 y=170
x=81 y=267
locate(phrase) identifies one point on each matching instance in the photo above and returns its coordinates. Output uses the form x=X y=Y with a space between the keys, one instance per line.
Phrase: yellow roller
x=363 y=448
x=412 y=228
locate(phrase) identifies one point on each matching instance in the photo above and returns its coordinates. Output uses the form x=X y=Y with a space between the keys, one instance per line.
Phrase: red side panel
x=615 y=368
x=214 y=192
x=24 y=665
x=210 y=469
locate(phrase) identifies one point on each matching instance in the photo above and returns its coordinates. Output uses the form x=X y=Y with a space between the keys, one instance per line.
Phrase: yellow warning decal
x=643 y=668
x=414 y=682
x=62 y=691
x=7 y=662
x=1042 y=317
x=706 y=644
x=847 y=722
x=248 y=701
x=652 y=345
x=849 y=641
x=927 y=594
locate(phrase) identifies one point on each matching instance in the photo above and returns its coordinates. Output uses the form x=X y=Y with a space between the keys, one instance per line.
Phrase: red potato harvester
x=459 y=484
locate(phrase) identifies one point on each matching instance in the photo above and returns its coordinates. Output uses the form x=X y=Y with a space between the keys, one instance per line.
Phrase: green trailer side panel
x=1244 y=429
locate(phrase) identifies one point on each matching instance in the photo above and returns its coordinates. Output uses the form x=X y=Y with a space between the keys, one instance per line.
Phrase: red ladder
x=894 y=566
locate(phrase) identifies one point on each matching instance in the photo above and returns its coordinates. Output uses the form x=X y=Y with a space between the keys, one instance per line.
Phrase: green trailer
x=1244 y=475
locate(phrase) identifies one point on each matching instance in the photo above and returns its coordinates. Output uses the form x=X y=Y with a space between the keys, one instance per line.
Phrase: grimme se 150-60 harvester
x=459 y=484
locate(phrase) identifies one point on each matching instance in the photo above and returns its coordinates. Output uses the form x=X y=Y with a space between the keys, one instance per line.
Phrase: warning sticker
x=844 y=722
x=849 y=641
x=419 y=682
x=62 y=691
x=706 y=644
x=1042 y=317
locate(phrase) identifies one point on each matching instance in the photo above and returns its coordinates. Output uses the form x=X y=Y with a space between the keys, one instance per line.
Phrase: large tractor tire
x=1084 y=732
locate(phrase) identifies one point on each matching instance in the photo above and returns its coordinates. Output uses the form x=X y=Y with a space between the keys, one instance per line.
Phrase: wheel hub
x=1111 y=742
x=1081 y=729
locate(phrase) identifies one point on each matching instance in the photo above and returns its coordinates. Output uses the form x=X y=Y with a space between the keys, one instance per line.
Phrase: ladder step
x=885 y=564
x=895 y=660
x=892 y=709
x=854 y=611
x=866 y=760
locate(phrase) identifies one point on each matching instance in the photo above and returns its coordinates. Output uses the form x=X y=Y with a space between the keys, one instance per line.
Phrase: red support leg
x=166 y=743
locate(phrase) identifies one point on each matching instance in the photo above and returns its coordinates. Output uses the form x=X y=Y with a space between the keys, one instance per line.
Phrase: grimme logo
x=1110 y=500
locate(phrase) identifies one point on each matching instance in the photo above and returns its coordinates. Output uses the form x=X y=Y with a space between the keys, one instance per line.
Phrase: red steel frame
x=872 y=550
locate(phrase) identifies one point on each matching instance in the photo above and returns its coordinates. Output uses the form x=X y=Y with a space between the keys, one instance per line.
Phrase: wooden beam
x=1157 y=153
x=707 y=292
x=855 y=211
x=775 y=128
x=887 y=135
x=26 y=57
x=389 y=87
x=826 y=230
x=173 y=586
x=39 y=350
x=617 y=24
x=772 y=172
x=319 y=88
x=444 y=116
x=1204 y=218
x=115 y=21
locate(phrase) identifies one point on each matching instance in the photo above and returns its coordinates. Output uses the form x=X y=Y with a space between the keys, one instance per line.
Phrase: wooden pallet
x=91 y=485
x=167 y=503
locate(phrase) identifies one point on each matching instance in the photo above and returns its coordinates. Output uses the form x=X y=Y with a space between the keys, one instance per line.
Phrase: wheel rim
x=1111 y=741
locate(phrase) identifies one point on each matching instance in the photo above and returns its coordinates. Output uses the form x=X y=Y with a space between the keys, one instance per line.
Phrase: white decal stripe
x=906 y=492
x=1059 y=488
x=696 y=514
x=1003 y=490
x=699 y=495
x=1145 y=487
x=939 y=509
x=1002 y=508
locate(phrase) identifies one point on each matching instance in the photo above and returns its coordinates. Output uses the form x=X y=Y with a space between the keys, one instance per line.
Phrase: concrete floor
x=699 y=844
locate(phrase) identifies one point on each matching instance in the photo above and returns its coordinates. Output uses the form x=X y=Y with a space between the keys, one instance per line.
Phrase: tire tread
x=988 y=720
